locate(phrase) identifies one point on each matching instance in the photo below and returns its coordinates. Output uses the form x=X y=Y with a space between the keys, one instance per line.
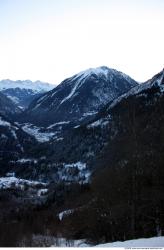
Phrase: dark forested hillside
x=126 y=196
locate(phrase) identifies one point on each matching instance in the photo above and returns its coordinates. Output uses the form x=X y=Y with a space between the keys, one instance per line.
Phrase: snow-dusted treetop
x=36 y=86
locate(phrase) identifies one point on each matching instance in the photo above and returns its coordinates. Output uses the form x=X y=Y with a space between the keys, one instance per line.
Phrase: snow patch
x=42 y=191
x=100 y=122
x=90 y=113
x=77 y=126
x=67 y=173
x=13 y=98
x=3 y=136
x=10 y=174
x=4 y=123
x=39 y=136
x=58 y=123
x=79 y=165
x=72 y=92
x=65 y=213
x=14 y=134
x=59 y=139
x=8 y=182
x=25 y=160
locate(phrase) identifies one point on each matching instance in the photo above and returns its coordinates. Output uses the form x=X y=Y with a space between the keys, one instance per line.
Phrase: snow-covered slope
x=23 y=92
x=79 y=96
x=147 y=242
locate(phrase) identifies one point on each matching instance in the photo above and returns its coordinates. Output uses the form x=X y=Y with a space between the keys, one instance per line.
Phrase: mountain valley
x=91 y=149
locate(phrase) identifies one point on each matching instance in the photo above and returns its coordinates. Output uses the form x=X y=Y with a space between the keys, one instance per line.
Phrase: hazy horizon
x=53 y=40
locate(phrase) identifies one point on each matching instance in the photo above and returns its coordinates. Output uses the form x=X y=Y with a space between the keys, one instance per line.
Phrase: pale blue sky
x=50 y=40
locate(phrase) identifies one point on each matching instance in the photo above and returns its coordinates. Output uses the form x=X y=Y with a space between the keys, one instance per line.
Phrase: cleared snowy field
x=147 y=242
x=155 y=242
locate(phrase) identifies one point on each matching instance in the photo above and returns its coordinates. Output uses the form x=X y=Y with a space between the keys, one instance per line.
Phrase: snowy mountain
x=23 y=92
x=79 y=97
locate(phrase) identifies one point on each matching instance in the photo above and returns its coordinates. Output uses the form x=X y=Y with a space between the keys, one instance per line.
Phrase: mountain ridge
x=23 y=92
x=37 y=86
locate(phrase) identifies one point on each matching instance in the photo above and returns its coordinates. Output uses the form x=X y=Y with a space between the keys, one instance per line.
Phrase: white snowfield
x=145 y=242
x=8 y=182
x=100 y=122
x=58 y=124
x=65 y=213
x=155 y=242
x=6 y=124
x=35 y=131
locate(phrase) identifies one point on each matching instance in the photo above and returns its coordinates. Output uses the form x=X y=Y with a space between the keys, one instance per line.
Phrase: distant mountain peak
x=100 y=72
x=97 y=70
x=22 y=92
x=36 y=86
